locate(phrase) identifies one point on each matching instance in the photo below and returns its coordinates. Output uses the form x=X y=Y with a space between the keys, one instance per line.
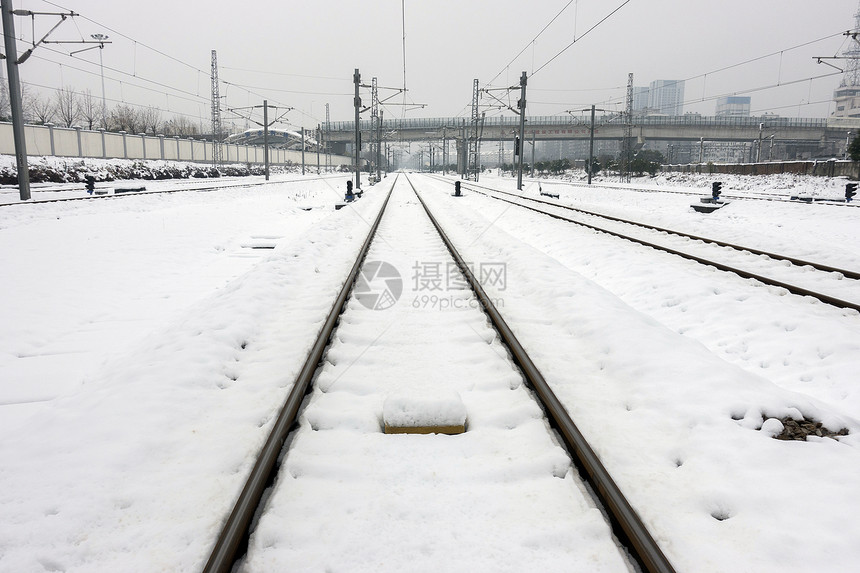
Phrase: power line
x=575 y=40
x=157 y=51
x=531 y=42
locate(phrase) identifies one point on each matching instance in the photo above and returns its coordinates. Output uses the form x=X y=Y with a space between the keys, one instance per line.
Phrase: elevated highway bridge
x=827 y=135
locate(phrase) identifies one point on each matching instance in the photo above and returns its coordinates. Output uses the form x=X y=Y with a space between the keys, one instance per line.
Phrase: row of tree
x=69 y=108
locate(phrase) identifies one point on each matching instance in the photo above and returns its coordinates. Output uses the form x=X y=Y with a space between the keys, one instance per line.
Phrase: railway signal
x=715 y=190
x=457 y=189
x=850 y=191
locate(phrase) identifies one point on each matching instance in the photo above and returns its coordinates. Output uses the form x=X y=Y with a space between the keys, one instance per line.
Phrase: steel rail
x=140 y=193
x=630 y=529
x=232 y=541
x=793 y=289
x=773 y=197
x=793 y=260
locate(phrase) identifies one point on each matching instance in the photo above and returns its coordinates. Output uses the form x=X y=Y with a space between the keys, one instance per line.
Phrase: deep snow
x=144 y=349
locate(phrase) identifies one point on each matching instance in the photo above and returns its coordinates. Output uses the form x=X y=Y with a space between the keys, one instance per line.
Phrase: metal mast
x=852 y=55
x=216 y=113
x=627 y=146
x=356 y=79
x=521 y=105
x=374 y=123
x=15 y=103
x=473 y=140
x=327 y=132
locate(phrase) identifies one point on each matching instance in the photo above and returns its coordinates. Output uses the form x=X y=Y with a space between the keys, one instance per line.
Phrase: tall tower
x=852 y=55
x=847 y=95
x=217 y=159
x=474 y=159
x=627 y=143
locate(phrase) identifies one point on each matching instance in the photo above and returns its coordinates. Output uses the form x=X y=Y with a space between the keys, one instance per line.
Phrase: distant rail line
x=543 y=207
x=757 y=196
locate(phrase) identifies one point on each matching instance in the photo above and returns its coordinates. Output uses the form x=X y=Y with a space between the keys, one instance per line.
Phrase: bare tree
x=90 y=109
x=66 y=105
x=180 y=126
x=150 y=120
x=40 y=109
x=124 y=118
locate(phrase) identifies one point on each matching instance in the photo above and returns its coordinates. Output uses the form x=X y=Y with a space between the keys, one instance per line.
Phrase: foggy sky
x=302 y=54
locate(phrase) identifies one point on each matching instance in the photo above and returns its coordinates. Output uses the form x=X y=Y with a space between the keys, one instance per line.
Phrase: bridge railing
x=455 y=123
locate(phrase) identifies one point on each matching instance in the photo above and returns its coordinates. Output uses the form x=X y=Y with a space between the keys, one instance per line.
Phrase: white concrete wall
x=40 y=139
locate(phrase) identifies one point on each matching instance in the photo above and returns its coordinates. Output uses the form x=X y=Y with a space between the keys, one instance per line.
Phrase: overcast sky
x=302 y=54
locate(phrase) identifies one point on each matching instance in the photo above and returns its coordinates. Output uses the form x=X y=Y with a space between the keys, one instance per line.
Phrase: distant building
x=666 y=97
x=640 y=99
x=847 y=100
x=733 y=106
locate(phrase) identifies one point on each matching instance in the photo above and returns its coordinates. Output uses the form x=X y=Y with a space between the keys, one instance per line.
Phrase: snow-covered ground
x=145 y=346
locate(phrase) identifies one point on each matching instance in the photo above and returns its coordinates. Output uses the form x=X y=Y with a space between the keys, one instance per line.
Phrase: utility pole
x=473 y=157
x=379 y=147
x=319 y=138
x=101 y=38
x=758 y=150
x=591 y=146
x=327 y=132
x=15 y=100
x=217 y=158
x=521 y=105
x=303 y=150
x=533 y=154
x=356 y=78
x=627 y=147
x=266 y=135
x=374 y=124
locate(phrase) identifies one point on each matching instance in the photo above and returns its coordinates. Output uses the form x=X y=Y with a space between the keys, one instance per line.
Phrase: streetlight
x=100 y=38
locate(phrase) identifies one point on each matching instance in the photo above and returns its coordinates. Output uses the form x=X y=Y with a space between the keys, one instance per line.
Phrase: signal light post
x=715 y=190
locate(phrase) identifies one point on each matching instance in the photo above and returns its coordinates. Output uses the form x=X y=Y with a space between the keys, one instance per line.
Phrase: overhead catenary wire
x=133 y=73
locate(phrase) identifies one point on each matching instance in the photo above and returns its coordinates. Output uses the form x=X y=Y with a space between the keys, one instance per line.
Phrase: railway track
x=757 y=196
x=334 y=453
x=828 y=284
x=189 y=187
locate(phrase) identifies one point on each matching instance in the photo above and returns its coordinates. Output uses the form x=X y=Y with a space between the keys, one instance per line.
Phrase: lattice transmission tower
x=474 y=158
x=852 y=56
x=627 y=144
x=217 y=159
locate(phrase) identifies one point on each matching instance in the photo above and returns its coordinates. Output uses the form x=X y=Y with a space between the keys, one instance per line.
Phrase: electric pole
x=15 y=100
x=217 y=158
x=627 y=146
x=266 y=135
x=591 y=146
x=356 y=78
x=379 y=147
x=521 y=105
x=473 y=158
x=533 y=155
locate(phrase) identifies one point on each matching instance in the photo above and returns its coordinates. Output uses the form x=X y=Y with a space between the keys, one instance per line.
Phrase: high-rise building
x=733 y=106
x=666 y=97
x=640 y=99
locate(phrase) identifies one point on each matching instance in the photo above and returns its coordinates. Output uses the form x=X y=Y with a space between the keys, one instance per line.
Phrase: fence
x=831 y=168
x=78 y=142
